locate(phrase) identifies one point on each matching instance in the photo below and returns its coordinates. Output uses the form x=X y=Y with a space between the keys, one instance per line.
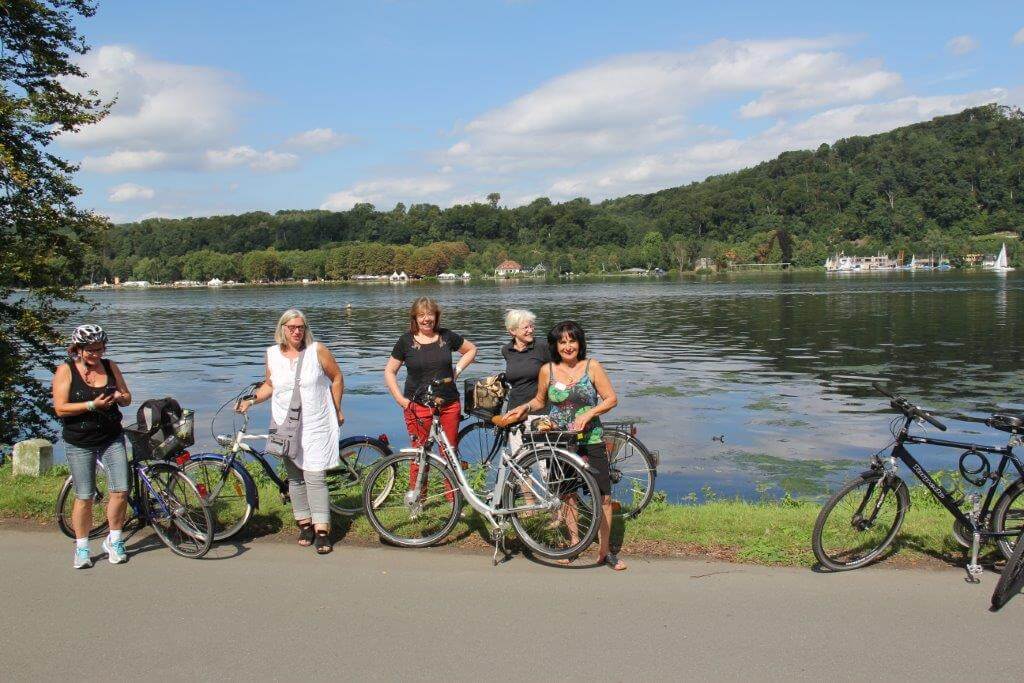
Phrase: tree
x=38 y=216
x=493 y=199
x=262 y=266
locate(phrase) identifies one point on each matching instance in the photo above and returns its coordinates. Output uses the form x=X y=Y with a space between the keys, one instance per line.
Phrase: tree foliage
x=935 y=186
x=45 y=238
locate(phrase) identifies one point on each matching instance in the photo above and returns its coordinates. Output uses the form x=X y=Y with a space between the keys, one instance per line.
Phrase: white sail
x=1001 y=259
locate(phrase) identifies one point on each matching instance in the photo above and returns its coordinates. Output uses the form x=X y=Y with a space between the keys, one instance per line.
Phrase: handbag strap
x=296 y=403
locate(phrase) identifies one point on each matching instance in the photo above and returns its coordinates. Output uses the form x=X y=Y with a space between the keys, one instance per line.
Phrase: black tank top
x=95 y=427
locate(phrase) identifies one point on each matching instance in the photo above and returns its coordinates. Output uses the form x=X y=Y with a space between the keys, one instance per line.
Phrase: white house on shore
x=508 y=268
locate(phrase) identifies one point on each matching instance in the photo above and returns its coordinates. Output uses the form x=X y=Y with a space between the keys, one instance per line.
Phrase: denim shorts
x=82 y=461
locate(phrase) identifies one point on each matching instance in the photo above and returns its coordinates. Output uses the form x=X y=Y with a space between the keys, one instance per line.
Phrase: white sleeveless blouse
x=320 y=429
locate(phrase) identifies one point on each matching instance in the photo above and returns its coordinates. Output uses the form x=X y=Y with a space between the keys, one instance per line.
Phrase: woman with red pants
x=426 y=351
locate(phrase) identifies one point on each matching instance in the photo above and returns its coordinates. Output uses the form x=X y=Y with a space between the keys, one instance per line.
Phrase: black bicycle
x=230 y=490
x=159 y=494
x=861 y=520
x=633 y=467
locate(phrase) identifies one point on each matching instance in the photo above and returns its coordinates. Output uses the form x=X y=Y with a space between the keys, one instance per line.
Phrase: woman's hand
x=404 y=403
x=341 y=416
x=244 y=405
x=580 y=423
x=104 y=401
x=516 y=414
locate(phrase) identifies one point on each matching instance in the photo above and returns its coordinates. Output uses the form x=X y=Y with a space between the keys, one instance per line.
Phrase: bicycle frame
x=948 y=500
x=447 y=457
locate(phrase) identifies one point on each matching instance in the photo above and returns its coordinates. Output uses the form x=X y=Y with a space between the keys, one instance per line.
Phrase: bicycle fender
x=373 y=441
x=576 y=459
x=252 y=494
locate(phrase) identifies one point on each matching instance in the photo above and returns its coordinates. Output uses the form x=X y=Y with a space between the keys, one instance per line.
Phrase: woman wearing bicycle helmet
x=577 y=390
x=321 y=387
x=426 y=351
x=87 y=391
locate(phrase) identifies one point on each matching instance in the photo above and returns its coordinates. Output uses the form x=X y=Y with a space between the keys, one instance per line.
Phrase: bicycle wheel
x=633 y=471
x=401 y=520
x=66 y=499
x=231 y=509
x=175 y=508
x=1008 y=515
x=479 y=443
x=1011 y=579
x=859 y=522
x=345 y=483
x=569 y=525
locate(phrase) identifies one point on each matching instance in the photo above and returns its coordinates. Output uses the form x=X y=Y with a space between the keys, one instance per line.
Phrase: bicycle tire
x=66 y=500
x=389 y=515
x=175 y=509
x=1002 y=511
x=553 y=473
x=633 y=472
x=1012 y=577
x=824 y=550
x=345 y=484
x=478 y=446
x=232 y=509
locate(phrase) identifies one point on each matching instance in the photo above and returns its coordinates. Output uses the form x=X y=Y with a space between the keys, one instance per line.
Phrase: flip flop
x=613 y=561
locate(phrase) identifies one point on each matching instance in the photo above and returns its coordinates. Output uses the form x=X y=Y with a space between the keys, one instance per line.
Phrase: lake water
x=761 y=361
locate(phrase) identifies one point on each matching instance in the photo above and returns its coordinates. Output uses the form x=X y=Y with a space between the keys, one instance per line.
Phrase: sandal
x=323 y=542
x=613 y=561
x=306 y=534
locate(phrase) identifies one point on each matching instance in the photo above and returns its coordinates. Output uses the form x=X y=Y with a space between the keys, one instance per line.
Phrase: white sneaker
x=82 y=559
x=115 y=551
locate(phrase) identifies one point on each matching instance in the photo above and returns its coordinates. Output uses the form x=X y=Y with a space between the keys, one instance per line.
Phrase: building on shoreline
x=508 y=268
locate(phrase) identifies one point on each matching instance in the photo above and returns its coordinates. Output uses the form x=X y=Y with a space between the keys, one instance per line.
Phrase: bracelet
x=90 y=406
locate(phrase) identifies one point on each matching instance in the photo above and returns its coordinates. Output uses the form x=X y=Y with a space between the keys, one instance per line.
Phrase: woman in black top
x=524 y=355
x=426 y=351
x=87 y=391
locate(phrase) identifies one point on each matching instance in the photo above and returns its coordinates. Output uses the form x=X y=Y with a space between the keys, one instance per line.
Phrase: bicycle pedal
x=974 y=572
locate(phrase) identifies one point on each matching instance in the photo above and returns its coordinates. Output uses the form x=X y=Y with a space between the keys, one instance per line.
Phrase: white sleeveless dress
x=320 y=429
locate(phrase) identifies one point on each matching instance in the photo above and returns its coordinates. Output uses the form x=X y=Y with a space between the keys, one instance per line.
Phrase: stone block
x=33 y=457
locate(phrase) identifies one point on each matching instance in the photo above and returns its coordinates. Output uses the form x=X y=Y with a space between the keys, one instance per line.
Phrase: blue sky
x=226 y=107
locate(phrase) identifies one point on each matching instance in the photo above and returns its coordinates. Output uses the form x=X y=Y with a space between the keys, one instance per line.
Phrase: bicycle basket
x=162 y=443
x=555 y=438
x=484 y=397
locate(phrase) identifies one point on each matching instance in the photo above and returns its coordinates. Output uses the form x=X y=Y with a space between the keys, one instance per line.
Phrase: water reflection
x=753 y=358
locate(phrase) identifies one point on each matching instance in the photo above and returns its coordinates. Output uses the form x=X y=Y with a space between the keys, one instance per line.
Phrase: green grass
x=776 y=532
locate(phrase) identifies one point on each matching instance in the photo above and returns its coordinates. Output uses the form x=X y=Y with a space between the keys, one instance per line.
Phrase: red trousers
x=417 y=422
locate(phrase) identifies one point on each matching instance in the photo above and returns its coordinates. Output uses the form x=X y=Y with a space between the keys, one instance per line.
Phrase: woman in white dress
x=321 y=386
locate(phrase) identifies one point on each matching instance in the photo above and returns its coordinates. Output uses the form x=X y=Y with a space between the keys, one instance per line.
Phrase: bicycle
x=159 y=494
x=861 y=520
x=543 y=491
x=230 y=489
x=633 y=467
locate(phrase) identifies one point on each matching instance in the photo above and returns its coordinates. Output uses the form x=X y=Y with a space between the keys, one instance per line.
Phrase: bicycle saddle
x=1006 y=423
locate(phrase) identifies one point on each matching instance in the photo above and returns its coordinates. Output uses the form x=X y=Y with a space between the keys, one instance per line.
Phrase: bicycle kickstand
x=498 y=537
x=974 y=569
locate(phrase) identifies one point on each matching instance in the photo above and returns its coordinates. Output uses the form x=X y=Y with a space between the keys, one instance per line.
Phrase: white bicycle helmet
x=88 y=334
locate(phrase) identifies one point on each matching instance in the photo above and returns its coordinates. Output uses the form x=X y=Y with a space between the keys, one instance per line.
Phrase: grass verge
x=773 y=532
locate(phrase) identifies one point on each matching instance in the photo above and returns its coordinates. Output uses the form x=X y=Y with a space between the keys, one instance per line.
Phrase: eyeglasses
x=295 y=328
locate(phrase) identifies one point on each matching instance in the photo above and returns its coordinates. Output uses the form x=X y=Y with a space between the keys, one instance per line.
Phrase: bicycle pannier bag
x=284 y=439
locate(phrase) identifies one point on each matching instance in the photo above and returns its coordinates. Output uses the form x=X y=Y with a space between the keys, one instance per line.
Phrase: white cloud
x=386 y=192
x=643 y=101
x=127 y=160
x=961 y=45
x=129 y=192
x=243 y=155
x=1018 y=37
x=160 y=105
x=318 y=140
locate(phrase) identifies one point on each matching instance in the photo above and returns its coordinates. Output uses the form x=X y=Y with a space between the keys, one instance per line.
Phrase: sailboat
x=1000 y=265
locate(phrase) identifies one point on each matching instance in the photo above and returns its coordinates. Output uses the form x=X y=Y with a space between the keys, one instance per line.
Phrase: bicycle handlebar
x=897 y=402
x=427 y=390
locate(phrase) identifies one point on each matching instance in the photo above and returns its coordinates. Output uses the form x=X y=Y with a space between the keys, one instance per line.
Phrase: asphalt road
x=273 y=611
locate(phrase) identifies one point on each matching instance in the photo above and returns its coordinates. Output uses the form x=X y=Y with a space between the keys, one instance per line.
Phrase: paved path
x=274 y=611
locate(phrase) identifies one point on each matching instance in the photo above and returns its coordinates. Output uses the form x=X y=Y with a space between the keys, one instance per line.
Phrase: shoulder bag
x=284 y=439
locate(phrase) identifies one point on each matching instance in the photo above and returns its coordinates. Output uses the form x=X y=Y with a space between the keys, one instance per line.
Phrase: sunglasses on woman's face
x=295 y=328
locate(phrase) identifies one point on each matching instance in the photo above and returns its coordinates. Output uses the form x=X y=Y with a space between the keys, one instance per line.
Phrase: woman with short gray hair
x=321 y=387
x=524 y=356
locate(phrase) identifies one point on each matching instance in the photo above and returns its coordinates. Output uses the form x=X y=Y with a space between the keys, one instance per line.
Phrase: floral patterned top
x=566 y=401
